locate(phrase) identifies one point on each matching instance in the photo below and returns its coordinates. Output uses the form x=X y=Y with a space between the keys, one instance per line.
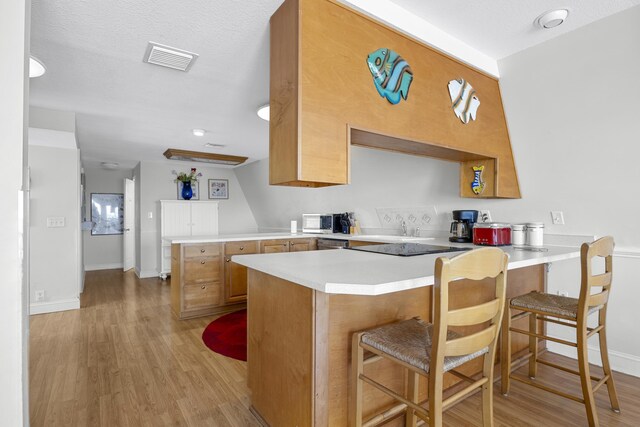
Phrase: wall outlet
x=39 y=295
x=563 y=293
x=150 y=215
x=484 y=216
x=55 y=221
x=557 y=217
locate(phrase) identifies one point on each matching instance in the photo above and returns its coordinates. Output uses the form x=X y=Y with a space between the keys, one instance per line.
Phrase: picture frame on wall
x=194 y=188
x=107 y=214
x=218 y=189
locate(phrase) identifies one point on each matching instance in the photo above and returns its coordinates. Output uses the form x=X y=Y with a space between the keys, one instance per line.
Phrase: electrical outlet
x=39 y=295
x=557 y=217
x=484 y=216
x=55 y=221
x=150 y=215
x=563 y=293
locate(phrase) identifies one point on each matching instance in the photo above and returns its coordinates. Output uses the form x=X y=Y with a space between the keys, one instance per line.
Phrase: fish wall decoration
x=464 y=100
x=392 y=75
x=477 y=186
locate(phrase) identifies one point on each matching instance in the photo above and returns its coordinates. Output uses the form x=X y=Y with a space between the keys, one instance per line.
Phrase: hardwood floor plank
x=124 y=360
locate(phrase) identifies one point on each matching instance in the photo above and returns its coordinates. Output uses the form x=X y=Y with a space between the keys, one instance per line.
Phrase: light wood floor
x=123 y=360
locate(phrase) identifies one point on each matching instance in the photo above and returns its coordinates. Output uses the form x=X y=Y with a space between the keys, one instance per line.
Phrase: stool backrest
x=602 y=247
x=477 y=264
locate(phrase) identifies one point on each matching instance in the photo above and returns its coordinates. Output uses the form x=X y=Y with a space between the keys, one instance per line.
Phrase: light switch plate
x=557 y=217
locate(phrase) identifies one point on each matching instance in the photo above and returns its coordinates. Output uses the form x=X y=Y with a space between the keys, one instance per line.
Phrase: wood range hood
x=323 y=100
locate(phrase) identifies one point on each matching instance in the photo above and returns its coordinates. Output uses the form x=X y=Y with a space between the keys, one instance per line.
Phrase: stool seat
x=548 y=303
x=410 y=341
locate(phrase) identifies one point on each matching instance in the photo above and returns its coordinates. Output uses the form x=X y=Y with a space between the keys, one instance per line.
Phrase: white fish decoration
x=464 y=100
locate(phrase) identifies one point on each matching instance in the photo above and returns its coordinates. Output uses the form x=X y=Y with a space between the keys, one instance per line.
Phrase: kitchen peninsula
x=303 y=308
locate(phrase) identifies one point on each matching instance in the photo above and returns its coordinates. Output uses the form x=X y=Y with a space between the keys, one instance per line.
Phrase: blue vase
x=187 y=192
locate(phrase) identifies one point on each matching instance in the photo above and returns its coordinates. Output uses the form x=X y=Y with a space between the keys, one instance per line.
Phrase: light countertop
x=268 y=236
x=344 y=271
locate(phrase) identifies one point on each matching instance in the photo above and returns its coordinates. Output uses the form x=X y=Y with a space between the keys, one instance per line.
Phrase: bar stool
x=572 y=312
x=432 y=349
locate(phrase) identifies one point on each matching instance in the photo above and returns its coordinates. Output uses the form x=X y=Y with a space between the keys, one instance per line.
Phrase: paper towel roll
x=294 y=226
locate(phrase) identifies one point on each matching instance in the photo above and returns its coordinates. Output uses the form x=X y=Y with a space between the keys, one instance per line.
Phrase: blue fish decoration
x=392 y=75
x=478 y=184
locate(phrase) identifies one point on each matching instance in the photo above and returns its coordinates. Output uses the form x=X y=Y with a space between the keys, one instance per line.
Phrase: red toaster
x=491 y=234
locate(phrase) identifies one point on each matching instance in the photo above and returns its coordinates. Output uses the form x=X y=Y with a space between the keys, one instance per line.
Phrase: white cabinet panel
x=184 y=218
x=204 y=219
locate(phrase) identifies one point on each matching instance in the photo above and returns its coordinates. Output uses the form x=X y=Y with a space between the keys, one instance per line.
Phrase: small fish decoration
x=477 y=186
x=464 y=100
x=392 y=75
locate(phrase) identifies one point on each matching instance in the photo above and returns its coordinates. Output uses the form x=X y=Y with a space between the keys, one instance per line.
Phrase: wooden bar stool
x=572 y=312
x=432 y=349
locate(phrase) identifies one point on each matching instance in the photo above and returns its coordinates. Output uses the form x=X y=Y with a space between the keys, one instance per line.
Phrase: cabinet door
x=175 y=219
x=235 y=281
x=204 y=218
x=299 y=245
x=274 y=246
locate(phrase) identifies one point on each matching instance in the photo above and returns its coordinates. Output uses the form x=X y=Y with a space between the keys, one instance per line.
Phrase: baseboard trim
x=54 y=306
x=146 y=274
x=620 y=362
x=94 y=267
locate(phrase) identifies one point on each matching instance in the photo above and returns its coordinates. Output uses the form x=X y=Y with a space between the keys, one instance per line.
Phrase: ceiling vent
x=170 y=57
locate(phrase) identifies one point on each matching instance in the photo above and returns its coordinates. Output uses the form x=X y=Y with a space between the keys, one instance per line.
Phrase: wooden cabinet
x=197 y=279
x=317 y=109
x=274 y=246
x=235 y=286
x=298 y=245
x=288 y=245
x=181 y=218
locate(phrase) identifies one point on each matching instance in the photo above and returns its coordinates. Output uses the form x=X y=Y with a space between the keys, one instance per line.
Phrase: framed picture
x=194 y=189
x=218 y=188
x=107 y=213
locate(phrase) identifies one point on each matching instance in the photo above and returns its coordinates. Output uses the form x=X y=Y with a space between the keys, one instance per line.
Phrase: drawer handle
x=203 y=287
x=201 y=251
x=242 y=248
x=201 y=262
x=227 y=259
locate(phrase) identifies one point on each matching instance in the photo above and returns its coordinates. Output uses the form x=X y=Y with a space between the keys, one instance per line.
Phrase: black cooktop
x=407 y=249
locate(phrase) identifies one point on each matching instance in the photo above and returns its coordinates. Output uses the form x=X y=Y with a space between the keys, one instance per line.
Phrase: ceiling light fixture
x=263 y=112
x=199 y=132
x=197 y=156
x=109 y=165
x=551 y=18
x=36 y=68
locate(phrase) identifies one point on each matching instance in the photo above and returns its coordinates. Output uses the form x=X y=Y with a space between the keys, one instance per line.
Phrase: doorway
x=128 y=240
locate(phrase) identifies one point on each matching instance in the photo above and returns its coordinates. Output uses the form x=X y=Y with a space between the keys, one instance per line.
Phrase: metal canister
x=518 y=234
x=535 y=234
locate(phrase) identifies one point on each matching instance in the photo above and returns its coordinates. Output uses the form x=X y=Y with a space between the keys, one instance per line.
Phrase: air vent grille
x=170 y=57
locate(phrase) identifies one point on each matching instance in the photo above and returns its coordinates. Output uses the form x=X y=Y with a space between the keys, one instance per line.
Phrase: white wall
x=156 y=183
x=572 y=107
x=14 y=320
x=54 y=257
x=102 y=252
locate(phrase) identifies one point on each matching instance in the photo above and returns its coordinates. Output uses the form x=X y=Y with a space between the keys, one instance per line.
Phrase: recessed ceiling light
x=199 y=132
x=552 y=18
x=109 y=165
x=263 y=112
x=36 y=68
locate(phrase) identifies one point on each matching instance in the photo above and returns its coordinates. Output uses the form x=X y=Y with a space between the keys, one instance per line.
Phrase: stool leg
x=410 y=418
x=357 y=368
x=585 y=375
x=533 y=346
x=604 y=353
x=505 y=351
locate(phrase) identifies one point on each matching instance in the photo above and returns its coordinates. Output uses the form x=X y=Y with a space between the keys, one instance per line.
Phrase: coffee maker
x=462 y=226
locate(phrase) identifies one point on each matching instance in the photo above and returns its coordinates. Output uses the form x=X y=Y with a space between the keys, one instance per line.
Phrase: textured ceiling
x=500 y=28
x=128 y=111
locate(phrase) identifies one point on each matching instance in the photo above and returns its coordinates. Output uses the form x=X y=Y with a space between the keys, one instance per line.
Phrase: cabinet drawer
x=202 y=295
x=238 y=248
x=203 y=269
x=208 y=249
x=274 y=246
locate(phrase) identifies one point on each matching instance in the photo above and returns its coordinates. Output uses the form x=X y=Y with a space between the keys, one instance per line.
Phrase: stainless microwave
x=317 y=223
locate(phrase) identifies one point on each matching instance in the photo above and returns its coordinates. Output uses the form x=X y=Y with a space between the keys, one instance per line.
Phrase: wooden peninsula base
x=299 y=343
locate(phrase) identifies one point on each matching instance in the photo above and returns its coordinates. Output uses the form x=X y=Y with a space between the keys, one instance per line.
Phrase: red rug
x=227 y=335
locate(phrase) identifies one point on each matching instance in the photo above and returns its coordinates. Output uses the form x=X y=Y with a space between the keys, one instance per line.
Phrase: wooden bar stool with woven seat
x=572 y=312
x=433 y=349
